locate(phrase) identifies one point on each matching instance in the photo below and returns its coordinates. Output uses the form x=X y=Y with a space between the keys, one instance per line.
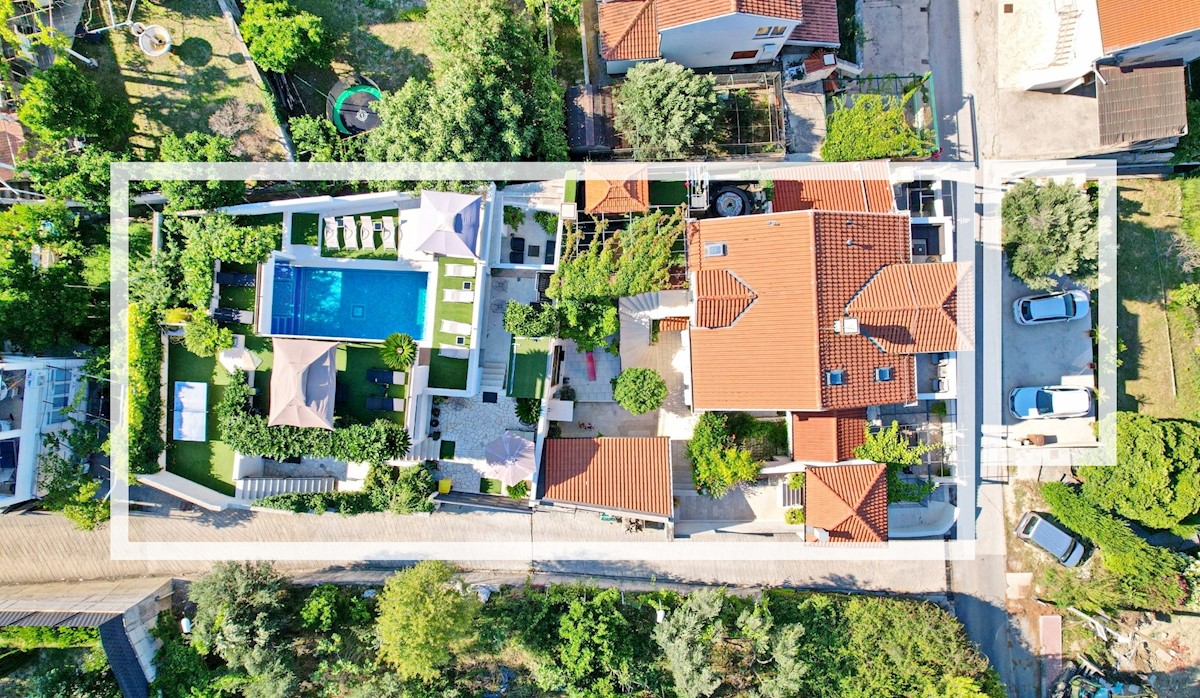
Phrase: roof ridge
x=646 y=4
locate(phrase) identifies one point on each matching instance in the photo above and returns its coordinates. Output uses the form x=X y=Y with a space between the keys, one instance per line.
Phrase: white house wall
x=712 y=42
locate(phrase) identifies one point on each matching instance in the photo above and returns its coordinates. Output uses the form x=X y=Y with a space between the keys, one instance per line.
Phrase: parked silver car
x=1051 y=307
x=1041 y=532
x=1050 y=402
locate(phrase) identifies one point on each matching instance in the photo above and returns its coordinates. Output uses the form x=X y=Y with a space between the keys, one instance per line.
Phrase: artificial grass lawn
x=445 y=372
x=446 y=449
x=353 y=362
x=669 y=194
x=306 y=229
x=488 y=485
x=208 y=463
x=527 y=367
x=237 y=297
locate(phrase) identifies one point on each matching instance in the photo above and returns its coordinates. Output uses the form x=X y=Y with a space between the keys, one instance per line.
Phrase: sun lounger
x=190 y=418
x=228 y=278
x=385 y=404
x=367 y=231
x=389 y=233
x=463 y=270
x=452 y=295
x=452 y=352
x=386 y=377
x=331 y=233
x=231 y=316
x=351 y=236
x=460 y=328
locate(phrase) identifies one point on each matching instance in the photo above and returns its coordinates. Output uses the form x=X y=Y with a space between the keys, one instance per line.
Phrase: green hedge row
x=388 y=488
x=145 y=391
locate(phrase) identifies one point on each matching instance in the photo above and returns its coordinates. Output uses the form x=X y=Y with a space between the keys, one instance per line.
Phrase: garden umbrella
x=447 y=223
x=303 y=383
x=239 y=359
x=509 y=459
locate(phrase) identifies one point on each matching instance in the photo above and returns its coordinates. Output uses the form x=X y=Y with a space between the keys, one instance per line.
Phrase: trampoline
x=351 y=106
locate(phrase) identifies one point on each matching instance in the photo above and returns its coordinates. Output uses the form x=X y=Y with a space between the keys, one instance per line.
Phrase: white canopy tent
x=303 y=383
x=509 y=459
x=447 y=223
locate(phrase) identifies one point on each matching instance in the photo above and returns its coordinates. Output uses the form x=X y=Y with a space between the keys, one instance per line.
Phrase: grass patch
x=208 y=463
x=376 y=238
x=354 y=360
x=488 y=485
x=446 y=450
x=668 y=194
x=1149 y=215
x=527 y=367
x=237 y=297
x=569 y=49
x=305 y=229
x=447 y=373
x=763 y=438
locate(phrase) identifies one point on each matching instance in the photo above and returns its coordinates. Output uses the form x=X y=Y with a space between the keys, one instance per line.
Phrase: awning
x=303 y=383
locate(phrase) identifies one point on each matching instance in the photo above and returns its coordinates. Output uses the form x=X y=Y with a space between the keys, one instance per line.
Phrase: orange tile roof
x=827 y=437
x=720 y=298
x=1125 y=23
x=820 y=23
x=616 y=189
x=848 y=501
x=841 y=186
x=12 y=139
x=621 y=474
x=628 y=30
x=673 y=324
x=910 y=308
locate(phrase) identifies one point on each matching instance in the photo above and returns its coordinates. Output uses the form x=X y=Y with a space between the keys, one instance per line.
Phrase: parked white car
x=1051 y=307
x=1050 y=402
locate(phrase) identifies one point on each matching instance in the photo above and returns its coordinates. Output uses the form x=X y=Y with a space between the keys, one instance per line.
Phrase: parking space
x=1057 y=353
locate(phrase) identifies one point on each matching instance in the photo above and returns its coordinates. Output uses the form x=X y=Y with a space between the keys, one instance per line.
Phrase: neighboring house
x=711 y=33
x=629 y=477
x=846 y=503
x=36 y=396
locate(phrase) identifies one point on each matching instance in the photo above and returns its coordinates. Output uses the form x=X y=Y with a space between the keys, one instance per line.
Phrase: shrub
x=1188 y=149
x=203 y=194
x=204 y=337
x=280 y=35
x=529 y=410
x=873 y=127
x=639 y=390
x=177 y=316
x=795 y=517
x=61 y=102
x=514 y=216
x=1050 y=232
x=398 y=351
x=217 y=236
x=548 y=221
x=938 y=408
x=796 y=481
x=328 y=607
x=145 y=400
x=415 y=13
x=30 y=637
x=888 y=447
x=717 y=465
x=521 y=320
x=424 y=618
x=666 y=111
x=519 y=491
x=71 y=491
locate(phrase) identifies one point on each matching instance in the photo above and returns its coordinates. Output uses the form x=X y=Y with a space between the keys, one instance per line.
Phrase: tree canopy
x=207 y=194
x=666 y=111
x=61 y=102
x=888 y=447
x=639 y=390
x=280 y=35
x=717 y=462
x=1050 y=232
x=424 y=618
x=81 y=176
x=873 y=127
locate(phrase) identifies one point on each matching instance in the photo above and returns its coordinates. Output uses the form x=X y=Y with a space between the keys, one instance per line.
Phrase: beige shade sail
x=303 y=383
x=510 y=459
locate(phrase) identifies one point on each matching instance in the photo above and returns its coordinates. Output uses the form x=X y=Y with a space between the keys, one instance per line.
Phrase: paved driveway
x=1053 y=354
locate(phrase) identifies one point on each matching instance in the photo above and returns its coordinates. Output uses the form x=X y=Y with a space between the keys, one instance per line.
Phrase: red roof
x=841 y=186
x=616 y=189
x=12 y=139
x=1125 y=23
x=628 y=30
x=618 y=474
x=910 y=308
x=847 y=501
x=820 y=25
x=827 y=437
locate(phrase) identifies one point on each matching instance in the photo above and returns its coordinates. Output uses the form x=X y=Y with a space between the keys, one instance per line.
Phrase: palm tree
x=398 y=351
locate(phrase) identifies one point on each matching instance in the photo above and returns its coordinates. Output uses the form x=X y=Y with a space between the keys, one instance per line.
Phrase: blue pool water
x=348 y=303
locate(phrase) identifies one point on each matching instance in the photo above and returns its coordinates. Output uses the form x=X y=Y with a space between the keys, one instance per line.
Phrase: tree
x=588 y=323
x=61 y=102
x=888 y=447
x=685 y=638
x=424 y=618
x=318 y=138
x=717 y=463
x=639 y=390
x=522 y=320
x=281 y=35
x=597 y=653
x=203 y=337
x=202 y=194
x=666 y=111
x=398 y=351
x=873 y=127
x=1157 y=482
x=1050 y=232
x=81 y=176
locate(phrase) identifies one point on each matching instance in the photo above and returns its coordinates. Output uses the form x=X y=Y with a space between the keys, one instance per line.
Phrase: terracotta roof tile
x=12 y=139
x=621 y=474
x=910 y=308
x=616 y=189
x=673 y=324
x=848 y=501
x=783 y=9
x=1141 y=103
x=1125 y=23
x=819 y=24
x=842 y=186
x=827 y=437
x=628 y=30
x=720 y=298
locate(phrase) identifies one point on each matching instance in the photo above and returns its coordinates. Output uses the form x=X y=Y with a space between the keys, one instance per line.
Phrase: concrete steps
x=493 y=376
x=253 y=488
x=428 y=449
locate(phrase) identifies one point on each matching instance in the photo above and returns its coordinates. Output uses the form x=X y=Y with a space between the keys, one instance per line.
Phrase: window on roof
x=835 y=377
x=778 y=31
x=883 y=373
x=743 y=55
x=762 y=32
x=715 y=249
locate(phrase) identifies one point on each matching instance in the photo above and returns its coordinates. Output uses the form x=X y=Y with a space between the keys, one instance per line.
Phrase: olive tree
x=666 y=111
x=1050 y=232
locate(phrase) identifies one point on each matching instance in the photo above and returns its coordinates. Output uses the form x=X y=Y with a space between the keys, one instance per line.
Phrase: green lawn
x=208 y=463
x=669 y=194
x=306 y=229
x=527 y=367
x=488 y=485
x=446 y=449
x=354 y=360
x=237 y=297
x=446 y=372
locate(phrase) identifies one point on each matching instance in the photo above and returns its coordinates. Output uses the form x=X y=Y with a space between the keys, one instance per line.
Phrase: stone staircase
x=1064 y=46
x=253 y=488
x=681 y=469
x=428 y=449
x=493 y=376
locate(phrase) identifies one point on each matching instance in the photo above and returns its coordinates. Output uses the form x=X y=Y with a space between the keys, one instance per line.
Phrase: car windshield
x=1069 y=305
x=1045 y=405
x=1025 y=311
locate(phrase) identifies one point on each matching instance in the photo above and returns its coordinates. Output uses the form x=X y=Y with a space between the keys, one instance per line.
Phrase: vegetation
x=400 y=490
x=213 y=237
x=61 y=102
x=889 y=447
x=521 y=320
x=425 y=617
x=279 y=35
x=145 y=383
x=1050 y=232
x=1150 y=576
x=794 y=516
x=666 y=111
x=796 y=481
x=203 y=337
x=398 y=351
x=519 y=491
x=70 y=175
x=206 y=194
x=317 y=137
x=529 y=410
x=639 y=390
x=717 y=463
x=873 y=127
x=70 y=674
x=1188 y=149
x=30 y=637
x=327 y=608
x=514 y=216
x=63 y=474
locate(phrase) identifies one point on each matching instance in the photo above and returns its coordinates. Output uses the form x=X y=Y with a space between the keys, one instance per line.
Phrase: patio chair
x=231 y=316
x=367 y=232
x=516 y=244
x=460 y=328
x=451 y=295
x=331 y=233
x=351 y=235
x=385 y=377
x=385 y=404
x=461 y=270
x=389 y=233
x=452 y=352
x=228 y=278
x=516 y=257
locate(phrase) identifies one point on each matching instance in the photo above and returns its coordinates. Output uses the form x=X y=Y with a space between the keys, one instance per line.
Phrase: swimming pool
x=348 y=303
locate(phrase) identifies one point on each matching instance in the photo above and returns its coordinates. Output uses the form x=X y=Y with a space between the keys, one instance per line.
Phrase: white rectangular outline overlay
x=963 y=175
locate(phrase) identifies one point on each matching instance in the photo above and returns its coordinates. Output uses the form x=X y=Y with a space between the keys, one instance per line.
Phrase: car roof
x=1053 y=306
x=1046 y=534
x=1069 y=399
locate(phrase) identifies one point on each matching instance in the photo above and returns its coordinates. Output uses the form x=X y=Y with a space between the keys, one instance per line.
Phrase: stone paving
x=575 y=373
x=472 y=424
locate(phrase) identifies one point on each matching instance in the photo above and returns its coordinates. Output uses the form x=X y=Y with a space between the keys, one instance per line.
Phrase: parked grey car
x=1049 y=537
x=1051 y=307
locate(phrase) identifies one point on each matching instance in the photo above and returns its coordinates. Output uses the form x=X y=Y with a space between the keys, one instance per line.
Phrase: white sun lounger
x=452 y=352
x=351 y=235
x=389 y=233
x=331 y=233
x=452 y=295
x=367 y=232
x=463 y=270
x=459 y=328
